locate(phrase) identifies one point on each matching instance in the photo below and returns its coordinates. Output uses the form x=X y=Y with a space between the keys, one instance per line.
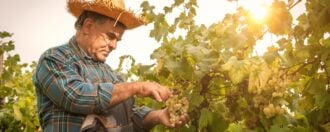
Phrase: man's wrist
x=152 y=119
x=132 y=87
x=157 y=118
x=136 y=88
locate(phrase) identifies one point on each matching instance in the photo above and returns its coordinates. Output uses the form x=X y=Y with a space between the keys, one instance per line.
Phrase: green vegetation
x=227 y=86
x=231 y=89
x=18 y=110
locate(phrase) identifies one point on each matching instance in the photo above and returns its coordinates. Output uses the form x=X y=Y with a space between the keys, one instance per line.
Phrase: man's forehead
x=109 y=27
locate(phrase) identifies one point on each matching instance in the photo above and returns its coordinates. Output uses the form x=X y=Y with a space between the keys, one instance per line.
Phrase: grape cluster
x=272 y=110
x=177 y=106
x=279 y=83
x=265 y=97
x=276 y=84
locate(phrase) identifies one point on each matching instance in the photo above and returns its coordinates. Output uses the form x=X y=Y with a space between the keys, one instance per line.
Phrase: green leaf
x=178 y=2
x=302 y=118
x=264 y=121
x=195 y=100
x=326 y=42
x=303 y=53
x=146 y=6
x=278 y=128
x=306 y=103
x=301 y=129
x=5 y=34
x=281 y=120
x=218 y=124
x=235 y=128
x=179 y=67
x=322 y=100
x=17 y=113
x=186 y=128
x=259 y=75
x=237 y=70
x=280 y=20
x=316 y=86
x=10 y=46
x=303 y=22
x=167 y=9
x=205 y=118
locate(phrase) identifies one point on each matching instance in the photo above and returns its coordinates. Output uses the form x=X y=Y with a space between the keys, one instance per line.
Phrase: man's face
x=102 y=39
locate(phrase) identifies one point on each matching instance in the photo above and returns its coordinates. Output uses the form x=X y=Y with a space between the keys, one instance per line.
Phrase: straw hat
x=111 y=8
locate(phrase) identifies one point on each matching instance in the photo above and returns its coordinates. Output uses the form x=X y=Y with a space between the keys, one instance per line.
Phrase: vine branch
x=293 y=5
x=304 y=65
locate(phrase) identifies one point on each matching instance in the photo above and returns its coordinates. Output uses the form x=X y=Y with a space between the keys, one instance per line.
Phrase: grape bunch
x=272 y=110
x=277 y=86
x=177 y=106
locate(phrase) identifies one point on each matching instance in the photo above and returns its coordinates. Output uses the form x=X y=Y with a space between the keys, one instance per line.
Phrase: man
x=77 y=91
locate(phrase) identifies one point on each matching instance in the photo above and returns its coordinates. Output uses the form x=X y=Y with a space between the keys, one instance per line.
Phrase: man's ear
x=87 y=25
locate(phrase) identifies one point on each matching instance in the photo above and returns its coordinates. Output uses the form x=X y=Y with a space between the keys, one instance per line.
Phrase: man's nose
x=112 y=44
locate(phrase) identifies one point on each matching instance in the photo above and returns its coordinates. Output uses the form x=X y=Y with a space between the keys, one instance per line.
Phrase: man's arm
x=122 y=91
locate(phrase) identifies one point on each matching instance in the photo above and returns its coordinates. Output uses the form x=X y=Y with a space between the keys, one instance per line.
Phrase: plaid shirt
x=70 y=85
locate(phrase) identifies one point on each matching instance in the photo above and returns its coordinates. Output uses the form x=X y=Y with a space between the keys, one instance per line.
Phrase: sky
x=38 y=25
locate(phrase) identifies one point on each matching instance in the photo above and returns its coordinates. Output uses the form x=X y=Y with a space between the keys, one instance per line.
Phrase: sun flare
x=258 y=10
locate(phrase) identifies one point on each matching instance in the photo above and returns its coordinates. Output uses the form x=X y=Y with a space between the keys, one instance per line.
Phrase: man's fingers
x=157 y=96
x=184 y=118
x=164 y=92
x=157 y=91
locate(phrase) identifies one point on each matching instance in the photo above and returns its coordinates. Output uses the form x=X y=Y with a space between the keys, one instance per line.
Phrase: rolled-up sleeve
x=141 y=111
x=139 y=115
x=63 y=85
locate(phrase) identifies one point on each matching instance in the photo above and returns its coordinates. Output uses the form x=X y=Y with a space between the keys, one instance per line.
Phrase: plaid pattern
x=70 y=85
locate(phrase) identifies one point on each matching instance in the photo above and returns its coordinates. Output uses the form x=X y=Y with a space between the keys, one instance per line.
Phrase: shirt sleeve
x=138 y=117
x=141 y=111
x=63 y=85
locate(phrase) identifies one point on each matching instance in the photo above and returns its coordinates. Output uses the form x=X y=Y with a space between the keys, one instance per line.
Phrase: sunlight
x=258 y=9
x=258 y=12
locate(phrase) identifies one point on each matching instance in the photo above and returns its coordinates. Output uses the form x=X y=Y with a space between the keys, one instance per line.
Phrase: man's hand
x=154 y=90
x=162 y=117
x=123 y=91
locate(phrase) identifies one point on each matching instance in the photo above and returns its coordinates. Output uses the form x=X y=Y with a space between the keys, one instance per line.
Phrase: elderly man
x=77 y=91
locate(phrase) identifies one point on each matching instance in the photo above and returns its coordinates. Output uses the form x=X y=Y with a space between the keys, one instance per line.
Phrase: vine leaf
x=237 y=69
x=259 y=76
x=17 y=113
x=205 y=118
x=235 y=128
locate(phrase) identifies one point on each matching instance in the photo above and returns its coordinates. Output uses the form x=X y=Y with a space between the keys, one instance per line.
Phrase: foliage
x=18 y=101
x=227 y=86
x=231 y=89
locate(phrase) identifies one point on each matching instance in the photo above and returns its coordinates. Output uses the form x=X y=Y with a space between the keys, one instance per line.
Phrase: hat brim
x=127 y=18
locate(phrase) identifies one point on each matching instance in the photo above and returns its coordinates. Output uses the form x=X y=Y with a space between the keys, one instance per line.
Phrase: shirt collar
x=78 y=50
